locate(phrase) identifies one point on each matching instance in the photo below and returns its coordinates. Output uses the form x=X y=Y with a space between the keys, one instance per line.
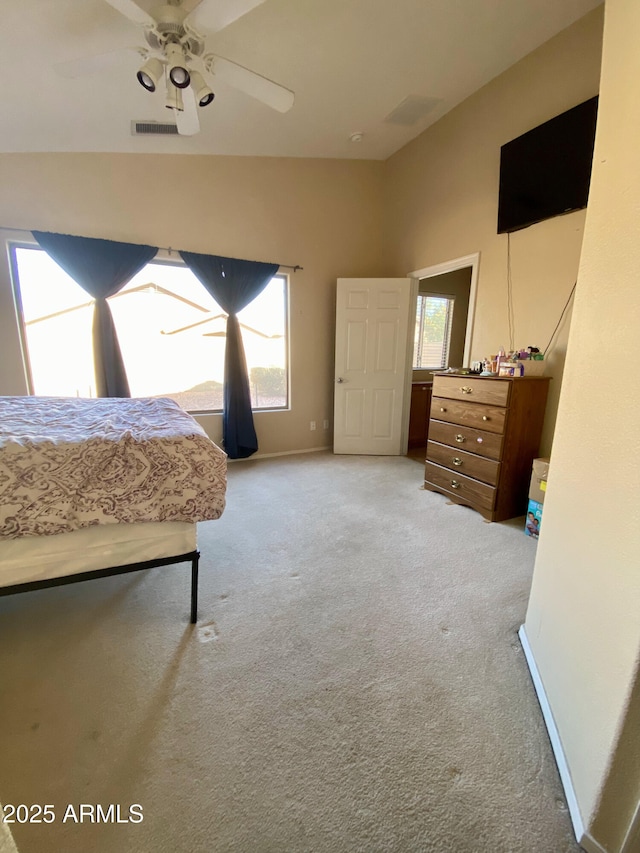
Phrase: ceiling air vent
x=412 y=110
x=153 y=128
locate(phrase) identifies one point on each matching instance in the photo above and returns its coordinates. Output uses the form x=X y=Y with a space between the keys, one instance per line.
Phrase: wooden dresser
x=484 y=433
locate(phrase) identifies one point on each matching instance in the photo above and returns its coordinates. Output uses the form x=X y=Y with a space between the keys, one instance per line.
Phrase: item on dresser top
x=511 y=368
x=487 y=368
x=534 y=366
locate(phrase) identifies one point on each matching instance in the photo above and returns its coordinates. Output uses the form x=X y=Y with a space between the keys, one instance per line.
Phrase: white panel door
x=372 y=337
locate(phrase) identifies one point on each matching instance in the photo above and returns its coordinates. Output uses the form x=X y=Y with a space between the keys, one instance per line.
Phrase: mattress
x=35 y=558
x=68 y=464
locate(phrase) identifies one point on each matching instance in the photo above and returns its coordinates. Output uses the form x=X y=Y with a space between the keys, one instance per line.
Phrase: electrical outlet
x=325 y=424
x=312 y=426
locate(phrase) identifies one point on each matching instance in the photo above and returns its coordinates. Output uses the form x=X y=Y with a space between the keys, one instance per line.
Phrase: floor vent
x=153 y=128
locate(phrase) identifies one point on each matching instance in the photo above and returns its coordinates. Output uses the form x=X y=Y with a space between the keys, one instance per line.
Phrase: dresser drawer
x=478 y=441
x=464 y=488
x=489 y=418
x=494 y=392
x=464 y=463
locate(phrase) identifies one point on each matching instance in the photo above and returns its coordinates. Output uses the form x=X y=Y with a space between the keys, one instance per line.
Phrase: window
x=433 y=332
x=171 y=333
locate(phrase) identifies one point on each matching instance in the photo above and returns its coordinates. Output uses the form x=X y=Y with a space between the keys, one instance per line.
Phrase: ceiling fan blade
x=95 y=64
x=132 y=11
x=187 y=119
x=211 y=16
x=251 y=83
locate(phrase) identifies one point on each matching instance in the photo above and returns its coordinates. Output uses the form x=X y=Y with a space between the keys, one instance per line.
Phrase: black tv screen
x=546 y=171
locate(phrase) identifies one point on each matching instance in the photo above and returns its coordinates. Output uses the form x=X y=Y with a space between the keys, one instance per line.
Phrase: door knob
x=339 y=379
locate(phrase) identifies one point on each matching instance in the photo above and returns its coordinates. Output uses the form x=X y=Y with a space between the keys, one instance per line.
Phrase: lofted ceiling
x=351 y=63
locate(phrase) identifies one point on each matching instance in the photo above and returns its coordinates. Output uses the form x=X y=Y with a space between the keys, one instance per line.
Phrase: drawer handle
x=442 y=409
x=485 y=417
x=460 y=438
x=455 y=484
x=466 y=390
x=457 y=461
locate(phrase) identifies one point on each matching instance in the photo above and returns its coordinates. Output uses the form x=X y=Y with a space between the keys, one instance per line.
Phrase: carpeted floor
x=355 y=682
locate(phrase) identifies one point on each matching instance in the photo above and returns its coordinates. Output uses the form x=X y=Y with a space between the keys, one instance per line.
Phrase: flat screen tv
x=546 y=171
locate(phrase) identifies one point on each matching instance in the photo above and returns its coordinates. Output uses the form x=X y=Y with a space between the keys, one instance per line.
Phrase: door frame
x=472 y=261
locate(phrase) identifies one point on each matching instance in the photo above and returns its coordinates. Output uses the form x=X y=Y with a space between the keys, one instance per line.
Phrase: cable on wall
x=510 y=313
x=548 y=346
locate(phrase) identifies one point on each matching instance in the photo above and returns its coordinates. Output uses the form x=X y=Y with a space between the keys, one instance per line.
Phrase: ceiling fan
x=175 y=32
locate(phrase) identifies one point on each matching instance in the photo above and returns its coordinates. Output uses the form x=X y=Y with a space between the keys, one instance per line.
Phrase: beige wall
x=335 y=218
x=583 y=621
x=325 y=215
x=441 y=199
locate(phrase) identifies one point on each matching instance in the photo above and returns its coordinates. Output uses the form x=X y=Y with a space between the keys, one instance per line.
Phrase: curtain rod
x=168 y=249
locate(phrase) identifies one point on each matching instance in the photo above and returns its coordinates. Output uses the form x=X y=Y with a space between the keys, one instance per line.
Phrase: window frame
x=163 y=257
x=421 y=302
x=12 y=245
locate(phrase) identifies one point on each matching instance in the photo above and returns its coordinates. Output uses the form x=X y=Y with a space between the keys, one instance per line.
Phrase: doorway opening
x=445 y=308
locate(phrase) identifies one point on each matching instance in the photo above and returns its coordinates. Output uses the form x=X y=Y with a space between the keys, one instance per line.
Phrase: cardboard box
x=538 y=484
x=533 y=367
x=533 y=521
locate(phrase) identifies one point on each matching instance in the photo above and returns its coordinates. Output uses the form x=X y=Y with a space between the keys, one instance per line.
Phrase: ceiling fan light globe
x=150 y=73
x=179 y=76
x=203 y=93
x=146 y=81
x=177 y=66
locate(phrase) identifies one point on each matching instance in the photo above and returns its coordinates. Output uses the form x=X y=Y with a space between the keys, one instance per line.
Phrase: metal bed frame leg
x=193 y=556
x=194 y=587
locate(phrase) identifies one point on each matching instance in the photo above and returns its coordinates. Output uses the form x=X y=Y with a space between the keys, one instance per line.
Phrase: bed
x=90 y=488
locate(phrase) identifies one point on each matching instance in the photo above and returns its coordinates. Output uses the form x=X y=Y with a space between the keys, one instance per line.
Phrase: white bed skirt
x=34 y=558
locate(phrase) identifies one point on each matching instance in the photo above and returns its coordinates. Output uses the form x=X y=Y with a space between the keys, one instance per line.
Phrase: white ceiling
x=350 y=63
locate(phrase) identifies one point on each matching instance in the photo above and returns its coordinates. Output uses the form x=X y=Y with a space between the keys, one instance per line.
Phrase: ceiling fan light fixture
x=179 y=77
x=203 y=93
x=174 y=98
x=177 y=64
x=150 y=73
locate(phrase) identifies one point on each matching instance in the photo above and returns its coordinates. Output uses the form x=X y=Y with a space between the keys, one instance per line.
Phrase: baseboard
x=584 y=839
x=7 y=844
x=588 y=843
x=631 y=842
x=281 y=453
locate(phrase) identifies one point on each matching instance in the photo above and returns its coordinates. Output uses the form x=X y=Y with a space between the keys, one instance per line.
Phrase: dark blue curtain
x=102 y=268
x=233 y=284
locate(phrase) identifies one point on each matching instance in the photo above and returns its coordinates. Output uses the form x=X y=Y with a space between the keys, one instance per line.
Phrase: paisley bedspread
x=68 y=463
